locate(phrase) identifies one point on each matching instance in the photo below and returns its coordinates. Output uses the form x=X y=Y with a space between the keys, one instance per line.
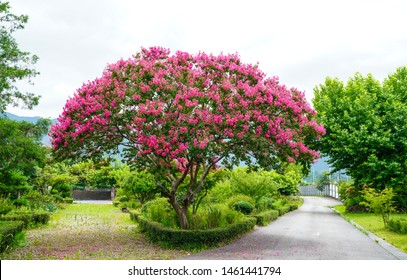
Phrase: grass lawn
x=374 y=223
x=89 y=232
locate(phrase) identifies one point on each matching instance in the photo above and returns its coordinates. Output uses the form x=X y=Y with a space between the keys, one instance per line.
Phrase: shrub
x=294 y=202
x=198 y=221
x=182 y=238
x=243 y=206
x=28 y=218
x=221 y=192
x=37 y=200
x=398 y=225
x=123 y=198
x=214 y=217
x=20 y=202
x=159 y=210
x=5 y=207
x=352 y=197
x=58 y=198
x=265 y=203
x=8 y=231
x=278 y=203
x=68 y=200
x=50 y=207
x=264 y=218
x=240 y=197
x=379 y=202
x=253 y=184
x=283 y=210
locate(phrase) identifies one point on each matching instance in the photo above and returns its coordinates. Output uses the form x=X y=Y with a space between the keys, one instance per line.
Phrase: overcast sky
x=301 y=42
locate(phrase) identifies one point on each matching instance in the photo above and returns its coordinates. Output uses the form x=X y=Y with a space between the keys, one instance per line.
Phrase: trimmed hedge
x=264 y=218
x=8 y=230
x=177 y=237
x=28 y=218
x=68 y=200
x=284 y=210
x=398 y=225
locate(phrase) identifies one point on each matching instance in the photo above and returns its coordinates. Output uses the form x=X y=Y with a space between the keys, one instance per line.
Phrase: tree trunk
x=181 y=213
x=182 y=217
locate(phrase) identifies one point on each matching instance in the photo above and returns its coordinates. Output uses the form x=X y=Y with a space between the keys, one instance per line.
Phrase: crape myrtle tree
x=182 y=115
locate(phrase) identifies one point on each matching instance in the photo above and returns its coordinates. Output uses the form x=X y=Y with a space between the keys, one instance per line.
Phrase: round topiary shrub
x=243 y=206
x=240 y=197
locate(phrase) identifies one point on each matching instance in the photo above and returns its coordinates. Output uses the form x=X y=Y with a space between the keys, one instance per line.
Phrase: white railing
x=330 y=190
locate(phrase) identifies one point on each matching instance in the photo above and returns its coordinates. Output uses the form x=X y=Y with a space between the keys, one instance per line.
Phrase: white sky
x=300 y=41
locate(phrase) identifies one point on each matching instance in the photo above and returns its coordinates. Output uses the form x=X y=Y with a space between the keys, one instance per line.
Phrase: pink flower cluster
x=186 y=108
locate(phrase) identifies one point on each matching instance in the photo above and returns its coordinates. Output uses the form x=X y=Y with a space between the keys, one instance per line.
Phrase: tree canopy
x=366 y=132
x=21 y=152
x=179 y=114
x=15 y=65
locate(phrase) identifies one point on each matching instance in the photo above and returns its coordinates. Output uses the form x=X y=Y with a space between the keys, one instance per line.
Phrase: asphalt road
x=313 y=232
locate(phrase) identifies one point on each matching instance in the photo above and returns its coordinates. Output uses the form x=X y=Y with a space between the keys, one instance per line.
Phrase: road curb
x=384 y=244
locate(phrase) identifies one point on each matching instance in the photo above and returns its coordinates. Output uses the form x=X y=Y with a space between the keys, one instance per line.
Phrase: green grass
x=89 y=232
x=374 y=223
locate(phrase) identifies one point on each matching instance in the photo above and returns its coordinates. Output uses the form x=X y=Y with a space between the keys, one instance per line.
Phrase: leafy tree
x=181 y=115
x=15 y=65
x=289 y=178
x=20 y=153
x=51 y=177
x=83 y=172
x=379 y=202
x=254 y=184
x=323 y=181
x=103 y=177
x=140 y=185
x=366 y=132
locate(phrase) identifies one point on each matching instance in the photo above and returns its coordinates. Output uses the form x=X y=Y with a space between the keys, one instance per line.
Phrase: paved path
x=312 y=232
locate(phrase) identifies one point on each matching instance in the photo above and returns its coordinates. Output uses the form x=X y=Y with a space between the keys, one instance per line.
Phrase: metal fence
x=330 y=190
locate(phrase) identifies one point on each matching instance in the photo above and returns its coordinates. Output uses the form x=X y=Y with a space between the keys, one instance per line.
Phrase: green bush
x=278 y=203
x=134 y=215
x=8 y=231
x=198 y=220
x=255 y=184
x=123 y=199
x=265 y=203
x=36 y=199
x=243 y=206
x=352 y=197
x=283 y=210
x=68 y=200
x=240 y=197
x=218 y=215
x=50 y=207
x=58 y=198
x=182 y=238
x=28 y=218
x=159 y=210
x=398 y=225
x=20 y=202
x=264 y=218
x=5 y=207
x=294 y=202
